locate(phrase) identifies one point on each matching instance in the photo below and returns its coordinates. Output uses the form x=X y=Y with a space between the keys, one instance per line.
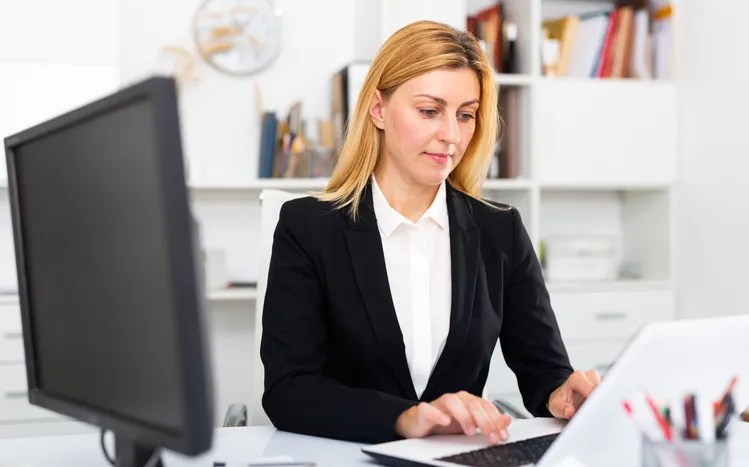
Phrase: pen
x=729 y=388
x=631 y=413
x=728 y=409
x=659 y=418
x=690 y=418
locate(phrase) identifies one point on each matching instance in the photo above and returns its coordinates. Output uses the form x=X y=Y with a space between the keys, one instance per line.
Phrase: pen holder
x=684 y=453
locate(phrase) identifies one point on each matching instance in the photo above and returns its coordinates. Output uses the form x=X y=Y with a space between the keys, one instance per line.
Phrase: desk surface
x=230 y=444
x=237 y=444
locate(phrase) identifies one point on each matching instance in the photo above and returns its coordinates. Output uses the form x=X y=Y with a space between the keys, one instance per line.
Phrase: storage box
x=582 y=258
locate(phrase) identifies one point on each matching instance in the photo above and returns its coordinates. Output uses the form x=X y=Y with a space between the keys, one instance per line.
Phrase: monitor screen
x=95 y=244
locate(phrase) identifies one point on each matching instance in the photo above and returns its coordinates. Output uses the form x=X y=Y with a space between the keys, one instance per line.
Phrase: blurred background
x=624 y=145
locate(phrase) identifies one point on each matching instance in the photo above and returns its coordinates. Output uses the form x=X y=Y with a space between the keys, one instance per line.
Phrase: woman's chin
x=435 y=177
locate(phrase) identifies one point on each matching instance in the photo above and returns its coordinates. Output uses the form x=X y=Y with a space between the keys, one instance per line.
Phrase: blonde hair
x=415 y=49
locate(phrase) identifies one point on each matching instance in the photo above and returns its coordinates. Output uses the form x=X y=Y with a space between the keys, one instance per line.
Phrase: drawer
x=11 y=335
x=14 y=401
x=610 y=315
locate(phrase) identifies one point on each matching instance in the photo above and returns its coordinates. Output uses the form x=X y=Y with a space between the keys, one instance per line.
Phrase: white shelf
x=313 y=184
x=514 y=80
x=604 y=186
x=604 y=81
x=233 y=295
x=8 y=299
x=292 y=184
x=625 y=285
x=227 y=295
x=506 y=184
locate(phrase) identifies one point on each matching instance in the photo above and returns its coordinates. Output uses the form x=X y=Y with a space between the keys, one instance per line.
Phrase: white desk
x=236 y=444
x=230 y=444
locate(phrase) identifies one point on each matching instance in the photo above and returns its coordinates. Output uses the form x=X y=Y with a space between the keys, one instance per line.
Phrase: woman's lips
x=438 y=157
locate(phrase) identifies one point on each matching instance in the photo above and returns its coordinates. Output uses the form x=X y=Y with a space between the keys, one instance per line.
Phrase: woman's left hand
x=567 y=398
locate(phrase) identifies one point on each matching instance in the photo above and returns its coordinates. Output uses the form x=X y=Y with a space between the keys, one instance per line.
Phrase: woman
x=387 y=293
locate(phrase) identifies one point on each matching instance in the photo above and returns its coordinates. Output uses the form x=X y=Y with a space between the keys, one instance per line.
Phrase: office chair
x=236 y=415
x=271 y=202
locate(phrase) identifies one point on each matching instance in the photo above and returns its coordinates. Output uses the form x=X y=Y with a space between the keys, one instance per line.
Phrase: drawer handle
x=16 y=394
x=13 y=335
x=611 y=315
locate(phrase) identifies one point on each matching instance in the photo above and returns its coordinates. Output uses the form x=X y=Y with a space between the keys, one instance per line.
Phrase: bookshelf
x=599 y=157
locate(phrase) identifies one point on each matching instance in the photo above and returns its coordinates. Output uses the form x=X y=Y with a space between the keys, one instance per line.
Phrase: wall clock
x=238 y=37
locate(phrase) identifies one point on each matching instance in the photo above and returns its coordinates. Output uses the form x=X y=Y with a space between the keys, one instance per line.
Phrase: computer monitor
x=110 y=286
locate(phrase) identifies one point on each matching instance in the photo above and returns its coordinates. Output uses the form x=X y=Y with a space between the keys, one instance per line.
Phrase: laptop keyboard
x=527 y=451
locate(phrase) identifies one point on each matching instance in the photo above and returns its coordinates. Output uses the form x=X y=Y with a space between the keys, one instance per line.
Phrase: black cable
x=153 y=461
x=104 y=448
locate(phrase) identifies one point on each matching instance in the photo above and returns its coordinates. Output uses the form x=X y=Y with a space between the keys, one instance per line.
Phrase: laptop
x=667 y=359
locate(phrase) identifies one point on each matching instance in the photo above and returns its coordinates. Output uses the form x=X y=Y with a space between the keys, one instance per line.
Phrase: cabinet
x=595 y=328
x=17 y=416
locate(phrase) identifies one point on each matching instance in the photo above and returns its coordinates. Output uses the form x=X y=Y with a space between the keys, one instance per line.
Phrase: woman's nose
x=450 y=132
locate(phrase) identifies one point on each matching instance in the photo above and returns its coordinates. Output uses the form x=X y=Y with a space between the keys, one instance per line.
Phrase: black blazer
x=334 y=357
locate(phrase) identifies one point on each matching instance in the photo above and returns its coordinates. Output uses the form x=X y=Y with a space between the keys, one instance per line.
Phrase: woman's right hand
x=452 y=414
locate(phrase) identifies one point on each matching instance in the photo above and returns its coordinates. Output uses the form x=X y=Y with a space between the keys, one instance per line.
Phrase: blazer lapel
x=368 y=259
x=464 y=259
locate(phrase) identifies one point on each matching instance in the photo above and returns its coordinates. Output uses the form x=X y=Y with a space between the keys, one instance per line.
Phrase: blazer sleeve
x=530 y=339
x=297 y=397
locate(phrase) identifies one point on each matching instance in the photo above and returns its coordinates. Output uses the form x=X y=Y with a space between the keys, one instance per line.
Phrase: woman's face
x=428 y=123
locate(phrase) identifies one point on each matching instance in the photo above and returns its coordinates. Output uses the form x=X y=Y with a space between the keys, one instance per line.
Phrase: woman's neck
x=410 y=199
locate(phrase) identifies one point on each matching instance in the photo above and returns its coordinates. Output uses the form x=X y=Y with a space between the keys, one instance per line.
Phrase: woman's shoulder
x=496 y=218
x=483 y=208
x=308 y=208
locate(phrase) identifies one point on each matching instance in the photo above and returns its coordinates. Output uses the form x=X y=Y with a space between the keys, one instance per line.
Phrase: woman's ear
x=377 y=110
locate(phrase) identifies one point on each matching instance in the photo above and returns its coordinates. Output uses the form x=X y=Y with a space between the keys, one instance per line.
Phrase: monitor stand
x=131 y=454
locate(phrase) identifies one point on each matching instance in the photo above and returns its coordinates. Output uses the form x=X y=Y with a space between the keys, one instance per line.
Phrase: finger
x=593 y=377
x=480 y=417
x=459 y=412
x=501 y=421
x=430 y=416
x=559 y=406
x=580 y=384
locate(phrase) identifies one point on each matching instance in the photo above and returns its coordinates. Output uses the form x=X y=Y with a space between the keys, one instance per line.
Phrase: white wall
x=399 y=13
x=219 y=119
x=713 y=213
x=54 y=56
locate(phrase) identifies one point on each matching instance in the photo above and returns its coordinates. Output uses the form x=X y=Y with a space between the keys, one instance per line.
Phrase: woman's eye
x=466 y=116
x=428 y=112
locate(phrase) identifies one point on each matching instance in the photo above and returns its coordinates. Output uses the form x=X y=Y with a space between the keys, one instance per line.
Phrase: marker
x=725 y=417
x=631 y=413
x=691 y=430
x=659 y=418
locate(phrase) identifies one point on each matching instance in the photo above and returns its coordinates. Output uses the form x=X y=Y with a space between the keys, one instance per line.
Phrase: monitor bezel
x=195 y=374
